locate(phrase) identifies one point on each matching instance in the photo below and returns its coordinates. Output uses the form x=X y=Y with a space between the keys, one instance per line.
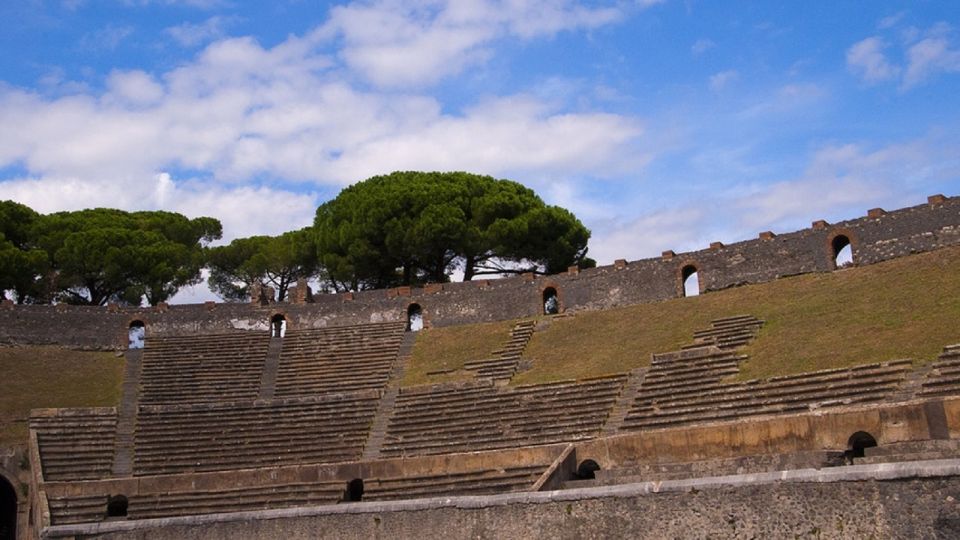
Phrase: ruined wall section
x=878 y=237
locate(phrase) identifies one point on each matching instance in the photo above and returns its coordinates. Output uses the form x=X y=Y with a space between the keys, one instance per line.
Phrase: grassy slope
x=449 y=348
x=906 y=308
x=37 y=377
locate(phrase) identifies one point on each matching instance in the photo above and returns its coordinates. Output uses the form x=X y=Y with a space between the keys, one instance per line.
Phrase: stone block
x=573 y=270
x=875 y=212
x=620 y=264
x=716 y=245
x=668 y=255
x=820 y=224
x=936 y=199
x=767 y=235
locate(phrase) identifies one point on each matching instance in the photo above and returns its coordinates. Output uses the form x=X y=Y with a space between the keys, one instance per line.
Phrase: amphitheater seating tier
x=944 y=377
x=203 y=369
x=243 y=435
x=482 y=416
x=477 y=482
x=338 y=359
x=702 y=397
x=76 y=444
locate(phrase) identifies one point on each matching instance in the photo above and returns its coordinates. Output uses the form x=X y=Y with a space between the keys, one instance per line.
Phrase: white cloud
x=719 y=81
x=866 y=58
x=928 y=57
x=890 y=21
x=701 y=46
x=107 y=38
x=190 y=35
x=407 y=44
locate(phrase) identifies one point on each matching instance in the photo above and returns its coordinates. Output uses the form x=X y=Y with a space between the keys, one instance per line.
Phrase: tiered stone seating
x=910 y=451
x=93 y=508
x=507 y=360
x=75 y=444
x=669 y=405
x=203 y=368
x=176 y=439
x=682 y=470
x=338 y=359
x=479 y=482
x=439 y=420
x=944 y=377
x=727 y=333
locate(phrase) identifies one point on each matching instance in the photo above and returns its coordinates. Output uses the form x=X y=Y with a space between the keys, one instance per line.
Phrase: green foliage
x=103 y=255
x=412 y=227
x=279 y=261
x=22 y=265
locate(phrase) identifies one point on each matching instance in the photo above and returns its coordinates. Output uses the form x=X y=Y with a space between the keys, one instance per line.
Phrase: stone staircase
x=624 y=402
x=76 y=444
x=268 y=379
x=378 y=430
x=127 y=414
x=506 y=361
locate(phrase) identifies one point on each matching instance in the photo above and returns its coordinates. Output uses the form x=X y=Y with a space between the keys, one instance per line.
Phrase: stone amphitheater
x=289 y=420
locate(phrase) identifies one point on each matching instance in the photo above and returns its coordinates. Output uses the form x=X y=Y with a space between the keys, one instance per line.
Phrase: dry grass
x=446 y=349
x=38 y=377
x=905 y=308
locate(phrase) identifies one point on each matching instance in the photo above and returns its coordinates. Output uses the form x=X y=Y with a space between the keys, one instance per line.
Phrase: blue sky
x=661 y=124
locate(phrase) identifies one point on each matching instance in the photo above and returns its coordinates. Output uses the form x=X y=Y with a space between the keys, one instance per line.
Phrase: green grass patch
x=39 y=377
x=447 y=349
x=904 y=308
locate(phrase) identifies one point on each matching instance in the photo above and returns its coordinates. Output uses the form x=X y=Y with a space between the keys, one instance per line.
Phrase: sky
x=662 y=124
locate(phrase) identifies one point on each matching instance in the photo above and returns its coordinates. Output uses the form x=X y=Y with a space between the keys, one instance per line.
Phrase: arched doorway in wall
x=117 y=506
x=136 y=335
x=551 y=302
x=354 y=491
x=842 y=251
x=690 y=280
x=587 y=470
x=278 y=326
x=857 y=443
x=414 y=318
x=8 y=510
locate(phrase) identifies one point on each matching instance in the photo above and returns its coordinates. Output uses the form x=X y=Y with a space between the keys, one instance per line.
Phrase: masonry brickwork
x=875 y=238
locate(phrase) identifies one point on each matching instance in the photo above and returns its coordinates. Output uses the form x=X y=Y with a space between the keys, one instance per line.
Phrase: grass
x=904 y=308
x=447 y=349
x=39 y=377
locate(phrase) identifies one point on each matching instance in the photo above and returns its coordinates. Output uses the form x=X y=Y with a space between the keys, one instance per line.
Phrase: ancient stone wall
x=878 y=237
x=900 y=508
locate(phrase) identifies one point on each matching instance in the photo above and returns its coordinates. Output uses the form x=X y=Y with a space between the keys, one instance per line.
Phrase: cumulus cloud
x=701 y=46
x=719 y=81
x=240 y=114
x=189 y=34
x=395 y=43
x=866 y=58
x=926 y=54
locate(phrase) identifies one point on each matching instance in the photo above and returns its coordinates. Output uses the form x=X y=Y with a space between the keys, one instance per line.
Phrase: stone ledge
x=851 y=473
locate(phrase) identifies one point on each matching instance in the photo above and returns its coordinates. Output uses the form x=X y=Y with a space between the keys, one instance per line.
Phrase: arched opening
x=278 y=326
x=414 y=318
x=856 y=445
x=354 y=491
x=136 y=334
x=551 y=303
x=8 y=510
x=588 y=469
x=116 y=506
x=842 y=251
x=690 y=277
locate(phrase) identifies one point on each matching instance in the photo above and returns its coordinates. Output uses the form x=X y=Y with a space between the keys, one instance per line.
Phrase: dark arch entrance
x=117 y=506
x=278 y=326
x=588 y=469
x=858 y=442
x=8 y=510
x=690 y=280
x=136 y=334
x=414 y=318
x=354 y=492
x=551 y=302
x=842 y=251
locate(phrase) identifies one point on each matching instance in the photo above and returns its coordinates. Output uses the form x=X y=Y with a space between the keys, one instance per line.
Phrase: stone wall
x=907 y=507
x=878 y=237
